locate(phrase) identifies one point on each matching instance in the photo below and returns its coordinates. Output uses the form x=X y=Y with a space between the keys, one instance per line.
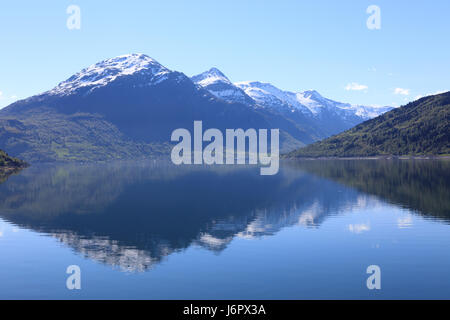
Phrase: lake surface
x=154 y=231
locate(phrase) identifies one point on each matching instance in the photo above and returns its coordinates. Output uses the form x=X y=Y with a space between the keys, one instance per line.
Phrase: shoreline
x=444 y=157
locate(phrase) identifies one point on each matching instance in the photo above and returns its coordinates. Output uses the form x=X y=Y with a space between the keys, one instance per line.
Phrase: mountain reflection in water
x=132 y=215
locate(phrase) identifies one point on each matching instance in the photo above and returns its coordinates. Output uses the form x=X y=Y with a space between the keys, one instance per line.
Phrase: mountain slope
x=421 y=127
x=321 y=117
x=325 y=112
x=220 y=86
x=122 y=108
x=278 y=112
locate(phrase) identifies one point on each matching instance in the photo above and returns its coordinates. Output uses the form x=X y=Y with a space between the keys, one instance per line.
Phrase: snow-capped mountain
x=317 y=104
x=271 y=97
x=220 y=86
x=309 y=110
x=127 y=107
x=309 y=102
x=266 y=95
x=105 y=72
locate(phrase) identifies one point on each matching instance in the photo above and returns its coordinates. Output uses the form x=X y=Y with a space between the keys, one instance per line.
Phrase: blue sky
x=295 y=45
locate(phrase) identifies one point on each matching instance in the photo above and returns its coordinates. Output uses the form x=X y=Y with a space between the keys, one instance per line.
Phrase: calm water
x=153 y=231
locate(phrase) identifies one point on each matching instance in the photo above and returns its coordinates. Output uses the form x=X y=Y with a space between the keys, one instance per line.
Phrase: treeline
x=421 y=127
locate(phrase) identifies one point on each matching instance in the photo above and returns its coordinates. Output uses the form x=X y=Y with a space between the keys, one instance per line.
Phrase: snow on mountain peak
x=220 y=86
x=209 y=77
x=252 y=93
x=312 y=99
x=312 y=94
x=270 y=96
x=309 y=102
x=316 y=103
x=106 y=71
x=216 y=72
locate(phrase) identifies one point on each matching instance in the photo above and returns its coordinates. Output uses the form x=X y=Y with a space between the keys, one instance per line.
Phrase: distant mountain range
x=308 y=108
x=421 y=127
x=127 y=107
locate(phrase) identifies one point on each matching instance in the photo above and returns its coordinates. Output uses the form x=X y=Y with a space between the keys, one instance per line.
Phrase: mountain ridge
x=126 y=107
x=307 y=101
x=421 y=127
x=309 y=108
x=104 y=113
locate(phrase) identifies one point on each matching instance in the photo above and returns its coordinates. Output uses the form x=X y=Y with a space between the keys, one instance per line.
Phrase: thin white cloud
x=1 y=95
x=358 y=228
x=356 y=87
x=403 y=92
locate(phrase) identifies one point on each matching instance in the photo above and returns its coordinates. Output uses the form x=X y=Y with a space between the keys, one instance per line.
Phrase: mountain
x=127 y=107
x=322 y=116
x=421 y=127
x=220 y=86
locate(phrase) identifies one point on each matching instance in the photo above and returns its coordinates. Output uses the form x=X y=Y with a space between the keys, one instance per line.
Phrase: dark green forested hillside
x=421 y=127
